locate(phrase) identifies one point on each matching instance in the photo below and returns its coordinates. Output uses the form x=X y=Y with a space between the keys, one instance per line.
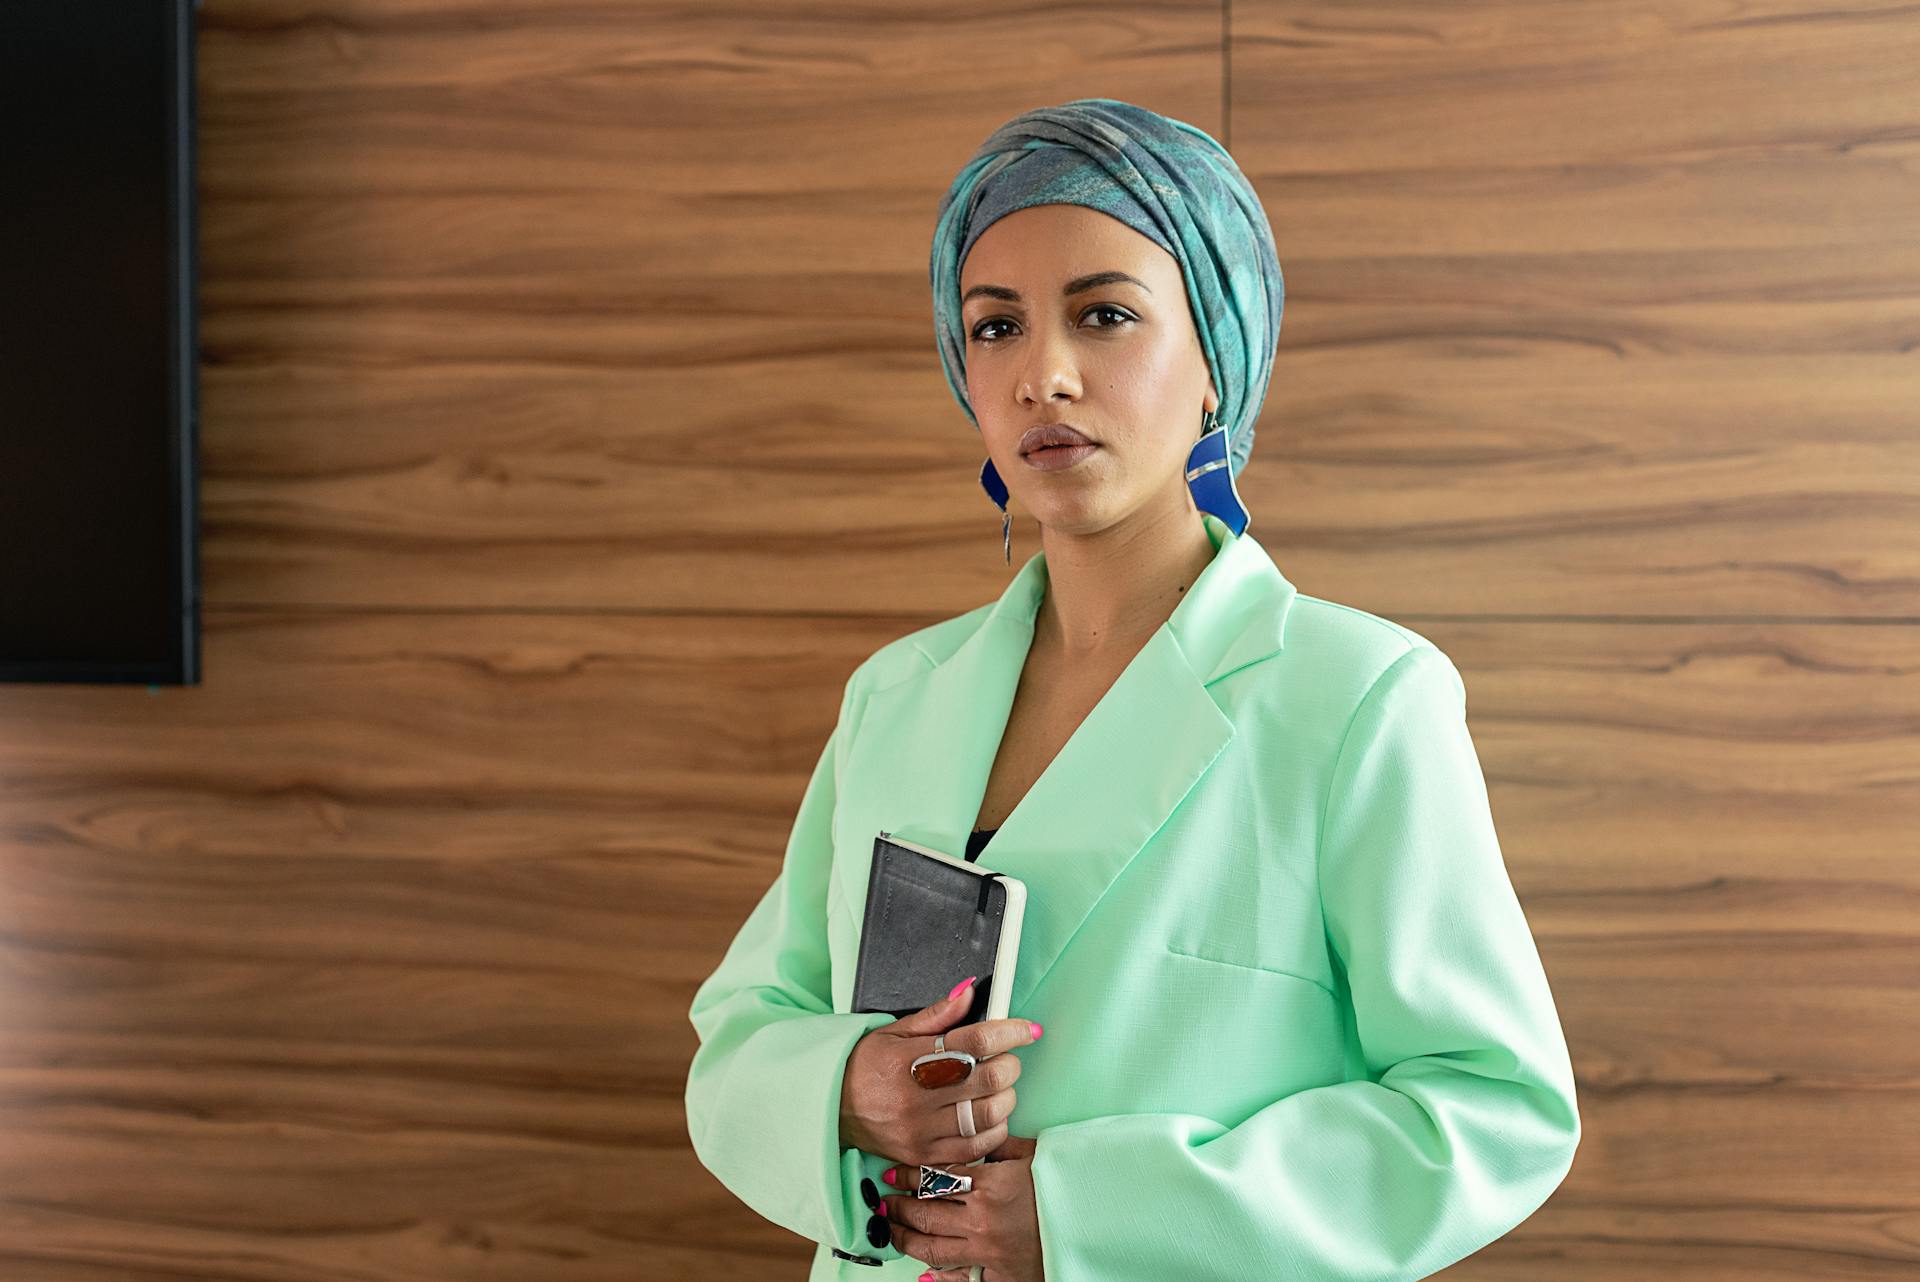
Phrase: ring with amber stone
x=942 y=1067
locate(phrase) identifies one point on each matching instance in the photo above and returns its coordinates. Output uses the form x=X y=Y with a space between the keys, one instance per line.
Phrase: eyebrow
x=1078 y=285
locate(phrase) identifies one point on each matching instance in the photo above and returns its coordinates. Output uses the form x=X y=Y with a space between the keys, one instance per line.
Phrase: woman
x=1295 y=1023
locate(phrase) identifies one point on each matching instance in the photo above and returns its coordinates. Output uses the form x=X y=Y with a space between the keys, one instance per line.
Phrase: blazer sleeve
x=763 y=1089
x=1465 y=1120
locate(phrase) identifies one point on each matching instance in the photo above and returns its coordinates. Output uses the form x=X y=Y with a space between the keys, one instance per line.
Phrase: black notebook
x=931 y=920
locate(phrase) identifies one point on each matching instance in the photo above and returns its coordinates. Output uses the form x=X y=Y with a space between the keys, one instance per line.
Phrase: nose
x=1050 y=368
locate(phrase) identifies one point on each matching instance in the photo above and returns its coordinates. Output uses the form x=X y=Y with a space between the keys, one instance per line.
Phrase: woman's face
x=1118 y=360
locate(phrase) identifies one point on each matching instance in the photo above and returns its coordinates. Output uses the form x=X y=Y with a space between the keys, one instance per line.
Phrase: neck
x=1109 y=591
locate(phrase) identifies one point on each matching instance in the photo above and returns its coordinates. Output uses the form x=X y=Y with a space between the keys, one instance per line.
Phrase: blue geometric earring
x=1210 y=478
x=997 y=491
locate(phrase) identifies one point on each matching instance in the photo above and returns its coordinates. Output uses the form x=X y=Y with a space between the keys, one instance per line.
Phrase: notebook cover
x=930 y=921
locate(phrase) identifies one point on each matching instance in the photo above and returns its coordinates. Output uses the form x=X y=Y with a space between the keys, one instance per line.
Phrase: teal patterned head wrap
x=1165 y=179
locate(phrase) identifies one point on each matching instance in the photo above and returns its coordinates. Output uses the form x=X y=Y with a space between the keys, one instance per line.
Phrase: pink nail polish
x=887 y=1175
x=1036 y=1031
x=925 y=1277
x=962 y=984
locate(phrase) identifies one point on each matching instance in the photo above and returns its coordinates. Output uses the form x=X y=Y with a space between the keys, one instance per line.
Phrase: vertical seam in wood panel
x=1226 y=74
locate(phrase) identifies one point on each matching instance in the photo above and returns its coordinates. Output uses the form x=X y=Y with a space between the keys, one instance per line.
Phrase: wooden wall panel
x=1599 y=309
x=621 y=307
x=546 y=350
x=372 y=956
x=1598 y=368
x=384 y=941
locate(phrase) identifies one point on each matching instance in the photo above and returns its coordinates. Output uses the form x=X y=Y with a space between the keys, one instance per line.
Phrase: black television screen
x=99 y=393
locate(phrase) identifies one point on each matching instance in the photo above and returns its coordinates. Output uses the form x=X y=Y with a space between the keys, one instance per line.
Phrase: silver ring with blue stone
x=935 y=1182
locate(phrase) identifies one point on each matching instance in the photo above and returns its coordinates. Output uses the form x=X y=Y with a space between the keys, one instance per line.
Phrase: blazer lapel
x=925 y=747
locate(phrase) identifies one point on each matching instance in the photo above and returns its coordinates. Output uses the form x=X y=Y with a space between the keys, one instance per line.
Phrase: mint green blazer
x=1297 y=1026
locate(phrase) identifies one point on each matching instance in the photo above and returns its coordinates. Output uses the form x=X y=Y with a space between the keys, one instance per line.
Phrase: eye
x=979 y=332
x=1105 y=307
x=978 y=335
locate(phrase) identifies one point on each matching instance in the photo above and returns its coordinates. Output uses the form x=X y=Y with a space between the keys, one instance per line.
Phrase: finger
x=908 y=1176
x=934 y=1216
x=991 y=1036
x=939 y=1017
x=940 y=1126
x=991 y=1110
x=1013 y=1148
x=990 y=1103
x=905 y=1177
x=986 y=1078
x=934 y=1249
x=958 y=1150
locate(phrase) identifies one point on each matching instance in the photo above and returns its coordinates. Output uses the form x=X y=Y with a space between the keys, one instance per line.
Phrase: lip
x=1058 y=457
x=1046 y=434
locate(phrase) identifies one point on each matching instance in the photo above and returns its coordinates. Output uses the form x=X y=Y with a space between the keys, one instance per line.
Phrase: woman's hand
x=997 y=1225
x=886 y=1112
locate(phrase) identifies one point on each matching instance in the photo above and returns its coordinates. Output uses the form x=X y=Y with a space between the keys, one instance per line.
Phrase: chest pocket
x=1209 y=955
x=1256 y=908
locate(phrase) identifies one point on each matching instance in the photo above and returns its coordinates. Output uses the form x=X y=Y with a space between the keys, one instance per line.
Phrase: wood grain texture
x=371 y=957
x=546 y=350
x=1600 y=370
x=378 y=947
x=1604 y=309
x=573 y=307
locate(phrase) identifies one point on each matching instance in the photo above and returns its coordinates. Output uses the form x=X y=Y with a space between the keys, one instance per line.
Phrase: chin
x=1068 y=517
